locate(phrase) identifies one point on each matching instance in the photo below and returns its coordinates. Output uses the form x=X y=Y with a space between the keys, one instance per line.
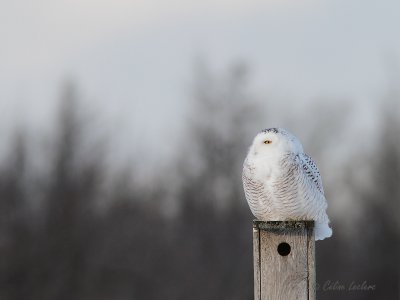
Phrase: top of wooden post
x=283 y=225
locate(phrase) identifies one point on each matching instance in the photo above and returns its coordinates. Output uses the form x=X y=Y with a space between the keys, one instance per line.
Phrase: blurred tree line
x=69 y=231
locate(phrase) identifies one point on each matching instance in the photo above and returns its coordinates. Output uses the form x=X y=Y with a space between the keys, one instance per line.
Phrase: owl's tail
x=322 y=230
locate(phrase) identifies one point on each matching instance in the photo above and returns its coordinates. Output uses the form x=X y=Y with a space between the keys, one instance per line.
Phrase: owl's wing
x=311 y=170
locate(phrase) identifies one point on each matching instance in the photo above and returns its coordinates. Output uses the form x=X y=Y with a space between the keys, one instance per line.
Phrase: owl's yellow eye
x=267 y=142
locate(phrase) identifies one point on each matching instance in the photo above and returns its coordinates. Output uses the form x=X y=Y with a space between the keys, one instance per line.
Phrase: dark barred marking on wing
x=311 y=169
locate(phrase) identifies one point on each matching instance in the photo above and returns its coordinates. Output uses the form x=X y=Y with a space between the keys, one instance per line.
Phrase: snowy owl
x=281 y=182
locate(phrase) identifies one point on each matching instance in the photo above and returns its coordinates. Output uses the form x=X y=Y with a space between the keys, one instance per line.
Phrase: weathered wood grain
x=311 y=265
x=290 y=275
x=256 y=258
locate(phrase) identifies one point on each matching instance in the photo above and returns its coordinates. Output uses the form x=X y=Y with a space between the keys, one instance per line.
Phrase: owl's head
x=275 y=142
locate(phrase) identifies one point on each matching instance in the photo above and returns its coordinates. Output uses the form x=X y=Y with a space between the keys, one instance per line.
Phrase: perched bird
x=281 y=182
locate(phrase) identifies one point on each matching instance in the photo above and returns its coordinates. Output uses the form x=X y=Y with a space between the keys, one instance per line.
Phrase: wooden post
x=284 y=255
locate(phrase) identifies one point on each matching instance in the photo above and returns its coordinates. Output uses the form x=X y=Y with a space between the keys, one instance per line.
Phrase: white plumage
x=281 y=182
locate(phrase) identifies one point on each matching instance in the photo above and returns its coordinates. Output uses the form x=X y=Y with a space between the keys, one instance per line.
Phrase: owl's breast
x=264 y=169
x=256 y=183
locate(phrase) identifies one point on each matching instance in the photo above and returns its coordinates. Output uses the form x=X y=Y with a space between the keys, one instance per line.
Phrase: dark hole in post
x=284 y=249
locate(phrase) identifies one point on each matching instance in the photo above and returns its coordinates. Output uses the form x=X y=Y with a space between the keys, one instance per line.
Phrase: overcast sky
x=134 y=59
